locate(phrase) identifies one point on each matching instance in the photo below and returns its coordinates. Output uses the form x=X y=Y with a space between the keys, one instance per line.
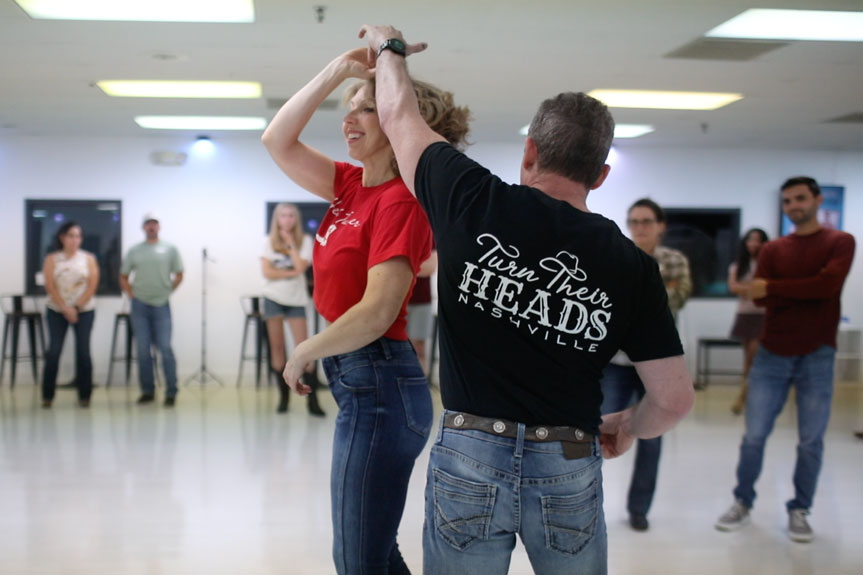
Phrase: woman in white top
x=749 y=321
x=71 y=278
x=286 y=255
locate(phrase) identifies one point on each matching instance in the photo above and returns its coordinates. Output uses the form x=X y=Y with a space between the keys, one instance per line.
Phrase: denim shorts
x=275 y=309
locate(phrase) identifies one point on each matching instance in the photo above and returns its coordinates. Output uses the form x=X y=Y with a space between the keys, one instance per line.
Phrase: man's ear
x=531 y=155
x=599 y=181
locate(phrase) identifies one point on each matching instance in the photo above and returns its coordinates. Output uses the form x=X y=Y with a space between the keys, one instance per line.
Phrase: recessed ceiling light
x=201 y=122
x=631 y=130
x=142 y=10
x=763 y=24
x=661 y=100
x=168 y=89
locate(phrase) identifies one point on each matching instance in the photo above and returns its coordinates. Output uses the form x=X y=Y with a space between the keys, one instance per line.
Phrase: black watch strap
x=395 y=45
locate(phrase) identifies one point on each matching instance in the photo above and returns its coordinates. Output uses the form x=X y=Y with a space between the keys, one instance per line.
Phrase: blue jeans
x=57 y=326
x=770 y=379
x=151 y=325
x=621 y=387
x=482 y=489
x=385 y=416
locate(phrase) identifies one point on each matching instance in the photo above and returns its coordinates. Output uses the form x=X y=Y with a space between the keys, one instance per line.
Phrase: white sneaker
x=736 y=517
x=798 y=527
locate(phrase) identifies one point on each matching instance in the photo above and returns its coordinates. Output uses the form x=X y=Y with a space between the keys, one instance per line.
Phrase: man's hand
x=757 y=289
x=377 y=35
x=613 y=440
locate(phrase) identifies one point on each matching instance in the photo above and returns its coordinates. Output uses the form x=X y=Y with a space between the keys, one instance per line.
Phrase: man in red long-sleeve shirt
x=798 y=280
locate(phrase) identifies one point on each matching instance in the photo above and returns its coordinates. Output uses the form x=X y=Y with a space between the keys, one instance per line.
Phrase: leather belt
x=576 y=443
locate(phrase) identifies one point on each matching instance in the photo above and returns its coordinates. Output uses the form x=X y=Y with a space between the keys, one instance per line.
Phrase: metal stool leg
x=113 y=348
x=6 y=325
x=243 y=351
x=130 y=336
x=31 y=337
x=16 y=323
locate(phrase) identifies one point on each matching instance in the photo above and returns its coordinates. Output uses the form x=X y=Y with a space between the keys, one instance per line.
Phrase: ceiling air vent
x=723 y=49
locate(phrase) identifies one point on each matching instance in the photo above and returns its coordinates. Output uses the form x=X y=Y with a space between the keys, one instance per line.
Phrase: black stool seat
x=702 y=359
x=252 y=307
x=16 y=315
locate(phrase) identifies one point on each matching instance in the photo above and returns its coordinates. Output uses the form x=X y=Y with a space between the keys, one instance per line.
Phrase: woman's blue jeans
x=385 y=416
x=57 y=326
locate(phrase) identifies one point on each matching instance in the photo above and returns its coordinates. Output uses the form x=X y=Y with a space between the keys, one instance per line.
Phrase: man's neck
x=561 y=188
x=807 y=228
x=153 y=240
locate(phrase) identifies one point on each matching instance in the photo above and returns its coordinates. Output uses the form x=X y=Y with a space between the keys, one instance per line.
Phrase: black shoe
x=83 y=403
x=170 y=401
x=313 y=405
x=46 y=403
x=146 y=398
x=638 y=521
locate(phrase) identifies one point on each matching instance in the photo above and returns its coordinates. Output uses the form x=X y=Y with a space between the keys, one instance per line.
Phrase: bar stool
x=122 y=318
x=14 y=309
x=252 y=308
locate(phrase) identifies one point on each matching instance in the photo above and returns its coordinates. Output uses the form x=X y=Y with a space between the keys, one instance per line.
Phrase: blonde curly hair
x=437 y=108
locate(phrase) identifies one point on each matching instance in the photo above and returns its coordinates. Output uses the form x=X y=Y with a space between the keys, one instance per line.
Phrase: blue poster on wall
x=829 y=214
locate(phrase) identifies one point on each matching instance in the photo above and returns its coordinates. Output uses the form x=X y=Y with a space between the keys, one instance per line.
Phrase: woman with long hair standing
x=749 y=320
x=368 y=251
x=71 y=278
x=286 y=255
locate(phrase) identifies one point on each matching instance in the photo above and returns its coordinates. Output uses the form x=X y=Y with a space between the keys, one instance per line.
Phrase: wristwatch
x=395 y=45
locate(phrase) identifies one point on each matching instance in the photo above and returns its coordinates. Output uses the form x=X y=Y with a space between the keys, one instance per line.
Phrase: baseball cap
x=150 y=216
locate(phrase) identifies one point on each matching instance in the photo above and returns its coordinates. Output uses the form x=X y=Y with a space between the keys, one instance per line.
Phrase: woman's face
x=71 y=240
x=286 y=219
x=644 y=228
x=754 y=243
x=362 y=128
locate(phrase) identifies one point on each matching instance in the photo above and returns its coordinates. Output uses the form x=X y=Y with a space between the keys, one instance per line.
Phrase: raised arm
x=307 y=167
x=387 y=287
x=397 y=105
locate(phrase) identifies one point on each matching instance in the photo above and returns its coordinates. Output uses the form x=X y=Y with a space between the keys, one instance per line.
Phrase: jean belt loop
x=440 y=427
x=385 y=348
x=519 y=441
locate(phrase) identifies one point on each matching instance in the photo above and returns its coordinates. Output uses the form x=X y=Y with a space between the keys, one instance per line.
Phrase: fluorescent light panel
x=764 y=24
x=631 y=130
x=660 y=100
x=142 y=10
x=201 y=122
x=167 y=89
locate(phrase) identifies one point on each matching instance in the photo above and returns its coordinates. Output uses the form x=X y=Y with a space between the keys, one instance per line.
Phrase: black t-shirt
x=535 y=296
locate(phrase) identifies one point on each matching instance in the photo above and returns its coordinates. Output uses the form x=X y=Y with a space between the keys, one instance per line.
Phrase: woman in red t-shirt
x=368 y=251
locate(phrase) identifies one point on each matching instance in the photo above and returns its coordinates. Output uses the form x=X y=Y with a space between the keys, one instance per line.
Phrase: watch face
x=397 y=45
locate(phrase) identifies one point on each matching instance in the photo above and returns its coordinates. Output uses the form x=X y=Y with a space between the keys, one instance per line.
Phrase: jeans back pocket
x=570 y=520
x=417 y=404
x=463 y=509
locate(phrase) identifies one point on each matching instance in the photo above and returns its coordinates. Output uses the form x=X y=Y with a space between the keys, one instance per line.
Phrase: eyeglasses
x=644 y=222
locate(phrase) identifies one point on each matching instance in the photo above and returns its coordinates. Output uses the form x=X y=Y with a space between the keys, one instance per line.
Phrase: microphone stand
x=203 y=375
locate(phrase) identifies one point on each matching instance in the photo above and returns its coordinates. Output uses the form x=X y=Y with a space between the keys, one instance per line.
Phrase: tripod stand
x=203 y=375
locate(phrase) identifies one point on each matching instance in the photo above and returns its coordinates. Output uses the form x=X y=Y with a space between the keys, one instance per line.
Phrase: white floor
x=222 y=485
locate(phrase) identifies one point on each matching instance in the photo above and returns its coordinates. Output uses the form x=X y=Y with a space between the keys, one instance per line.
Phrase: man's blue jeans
x=770 y=379
x=621 y=387
x=483 y=489
x=385 y=416
x=152 y=326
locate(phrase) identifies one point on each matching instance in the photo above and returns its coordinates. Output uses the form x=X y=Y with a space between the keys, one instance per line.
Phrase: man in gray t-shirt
x=158 y=270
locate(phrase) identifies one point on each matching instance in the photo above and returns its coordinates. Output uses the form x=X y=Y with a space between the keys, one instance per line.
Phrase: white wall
x=217 y=202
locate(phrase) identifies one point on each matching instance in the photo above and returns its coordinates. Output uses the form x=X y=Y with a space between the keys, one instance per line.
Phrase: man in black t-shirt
x=535 y=295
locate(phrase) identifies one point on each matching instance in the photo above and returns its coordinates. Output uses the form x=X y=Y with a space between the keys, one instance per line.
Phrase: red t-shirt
x=362 y=228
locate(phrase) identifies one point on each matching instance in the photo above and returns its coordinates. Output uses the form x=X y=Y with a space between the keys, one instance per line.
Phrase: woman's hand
x=294 y=369
x=356 y=63
x=71 y=314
